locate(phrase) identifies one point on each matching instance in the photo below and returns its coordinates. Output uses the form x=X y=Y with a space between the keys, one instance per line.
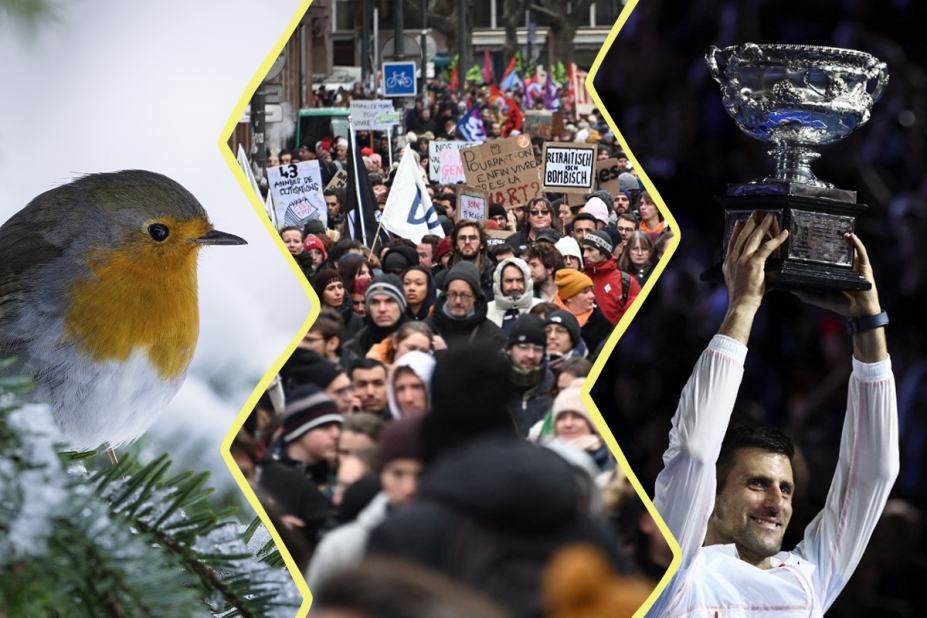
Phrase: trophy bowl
x=797 y=97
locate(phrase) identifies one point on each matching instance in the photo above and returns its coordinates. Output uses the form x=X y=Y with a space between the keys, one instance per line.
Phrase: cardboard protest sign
x=606 y=173
x=472 y=203
x=504 y=168
x=568 y=167
x=296 y=190
x=375 y=115
x=444 y=164
x=538 y=122
x=338 y=181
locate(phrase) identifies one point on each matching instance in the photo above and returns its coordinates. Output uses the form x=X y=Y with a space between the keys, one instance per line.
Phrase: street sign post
x=399 y=79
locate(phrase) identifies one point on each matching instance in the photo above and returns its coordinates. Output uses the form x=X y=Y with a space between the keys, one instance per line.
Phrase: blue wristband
x=871 y=322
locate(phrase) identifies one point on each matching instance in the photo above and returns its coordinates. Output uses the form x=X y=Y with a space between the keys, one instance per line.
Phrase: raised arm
x=685 y=489
x=868 y=464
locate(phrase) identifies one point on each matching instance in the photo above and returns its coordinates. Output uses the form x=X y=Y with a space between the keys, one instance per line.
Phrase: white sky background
x=150 y=85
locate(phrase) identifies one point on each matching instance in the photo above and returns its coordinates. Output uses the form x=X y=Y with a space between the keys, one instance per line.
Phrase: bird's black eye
x=159 y=231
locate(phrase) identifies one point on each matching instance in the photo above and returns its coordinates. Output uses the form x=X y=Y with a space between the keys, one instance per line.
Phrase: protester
x=638 y=257
x=615 y=290
x=513 y=287
x=460 y=315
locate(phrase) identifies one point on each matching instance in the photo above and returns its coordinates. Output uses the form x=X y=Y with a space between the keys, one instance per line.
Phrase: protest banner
x=375 y=115
x=607 y=173
x=568 y=167
x=296 y=190
x=504 y=168
x=444 y=164
x=472 y=203
x=538 y=122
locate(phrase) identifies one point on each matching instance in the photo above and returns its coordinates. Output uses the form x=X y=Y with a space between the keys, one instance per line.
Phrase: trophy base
x=770 y=186
x=815 y=257
x=795 y=277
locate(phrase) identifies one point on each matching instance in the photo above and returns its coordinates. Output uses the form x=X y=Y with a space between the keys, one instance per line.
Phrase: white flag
x=249 y=174
x=408 y=212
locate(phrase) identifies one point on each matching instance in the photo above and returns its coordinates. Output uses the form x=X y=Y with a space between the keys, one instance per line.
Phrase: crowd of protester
x=432 y=413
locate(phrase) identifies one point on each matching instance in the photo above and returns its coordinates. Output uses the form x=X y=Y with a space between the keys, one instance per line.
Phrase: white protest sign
x=444 y=163
x=376 y=115
x=568 y=167
x=297 y=193
x=472 y=203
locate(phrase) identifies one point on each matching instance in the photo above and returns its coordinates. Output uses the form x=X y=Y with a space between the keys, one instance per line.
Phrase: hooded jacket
x=422 y=364
x=606 y=281
x=496 y=310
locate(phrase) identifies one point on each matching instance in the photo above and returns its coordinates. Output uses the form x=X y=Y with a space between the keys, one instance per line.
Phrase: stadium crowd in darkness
x=432 y=413
x=799 y=363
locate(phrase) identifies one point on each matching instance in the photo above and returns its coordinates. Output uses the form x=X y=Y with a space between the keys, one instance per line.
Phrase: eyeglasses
x=535 y=213
x=530 y=347
x=640 y=249
x=456 y=296
x=626 y=229
x=468 y=238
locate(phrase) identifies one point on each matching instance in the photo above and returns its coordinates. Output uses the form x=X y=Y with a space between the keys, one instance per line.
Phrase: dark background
x=657 y=89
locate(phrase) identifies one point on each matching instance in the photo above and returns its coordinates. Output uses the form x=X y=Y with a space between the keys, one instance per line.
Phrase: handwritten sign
x=568 y=167
x=472 y=203
x=444 y=164
x=606 y=174
x=338 y=181
x=375 y=115
x=504 y=168
x=296 y=190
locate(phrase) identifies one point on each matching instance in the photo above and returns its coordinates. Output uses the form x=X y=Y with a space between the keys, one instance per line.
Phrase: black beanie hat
x=465 y=271
x=469 y=399
x=600 y=240
x=308 y=366
x=568 y=321
x=496 y=210
x=307 y=408
x=528 y=328
x=400 y=259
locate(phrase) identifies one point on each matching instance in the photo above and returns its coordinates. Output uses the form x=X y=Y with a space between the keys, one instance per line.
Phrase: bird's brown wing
x=23 y=247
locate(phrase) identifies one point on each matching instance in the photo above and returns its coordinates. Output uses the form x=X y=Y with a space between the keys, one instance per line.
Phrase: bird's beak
x=215 y=237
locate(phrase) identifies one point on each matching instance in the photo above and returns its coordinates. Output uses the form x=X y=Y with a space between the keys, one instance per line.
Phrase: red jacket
x=608 y=289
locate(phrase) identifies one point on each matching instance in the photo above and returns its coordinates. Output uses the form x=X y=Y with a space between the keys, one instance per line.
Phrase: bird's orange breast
x=142 y=294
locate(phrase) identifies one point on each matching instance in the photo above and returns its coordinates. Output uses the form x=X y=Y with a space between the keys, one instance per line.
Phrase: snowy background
x=115 y=85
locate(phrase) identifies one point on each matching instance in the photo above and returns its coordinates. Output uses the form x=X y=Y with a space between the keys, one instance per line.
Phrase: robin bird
x=98 y=300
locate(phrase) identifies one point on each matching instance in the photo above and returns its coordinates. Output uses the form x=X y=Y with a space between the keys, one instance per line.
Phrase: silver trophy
x=799 y=97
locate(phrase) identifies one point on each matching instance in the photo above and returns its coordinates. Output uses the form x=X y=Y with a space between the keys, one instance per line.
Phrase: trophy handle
x=883 y=81
x=711 y=59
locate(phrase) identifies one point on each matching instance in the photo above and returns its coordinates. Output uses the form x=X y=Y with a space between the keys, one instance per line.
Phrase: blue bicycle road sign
x=399 y=79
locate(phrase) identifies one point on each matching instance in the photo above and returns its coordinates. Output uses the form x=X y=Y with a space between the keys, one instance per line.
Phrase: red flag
x=509 y=69
x=455 y=80
x=487 y=68
x=515 y=118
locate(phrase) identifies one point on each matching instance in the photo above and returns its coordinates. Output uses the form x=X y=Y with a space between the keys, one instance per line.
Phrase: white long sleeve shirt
x=712 y=581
